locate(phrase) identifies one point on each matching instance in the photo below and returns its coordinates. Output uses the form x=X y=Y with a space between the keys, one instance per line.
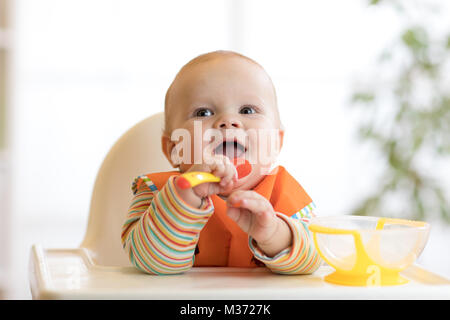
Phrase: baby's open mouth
x=231 y=149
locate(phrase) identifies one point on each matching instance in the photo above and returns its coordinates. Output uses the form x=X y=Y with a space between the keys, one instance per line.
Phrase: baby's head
x=222 y=102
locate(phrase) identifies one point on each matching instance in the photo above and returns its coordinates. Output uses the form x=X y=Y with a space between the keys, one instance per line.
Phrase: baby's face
x=225 y=104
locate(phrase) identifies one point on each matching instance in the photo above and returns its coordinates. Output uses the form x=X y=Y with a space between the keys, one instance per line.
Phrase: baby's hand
x=255 y=215
x=220 y=166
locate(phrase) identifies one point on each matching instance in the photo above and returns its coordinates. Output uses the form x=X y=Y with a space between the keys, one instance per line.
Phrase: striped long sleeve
x=302 y=257
x=161 y=230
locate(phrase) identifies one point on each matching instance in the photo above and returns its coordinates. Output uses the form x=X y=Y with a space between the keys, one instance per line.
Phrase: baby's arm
x=161 y=230
x=300 y=258
x=282 y=243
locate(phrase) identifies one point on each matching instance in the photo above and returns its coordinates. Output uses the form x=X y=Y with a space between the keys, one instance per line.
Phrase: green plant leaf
x=415 y=38
x=364 y=97
x=403 y=128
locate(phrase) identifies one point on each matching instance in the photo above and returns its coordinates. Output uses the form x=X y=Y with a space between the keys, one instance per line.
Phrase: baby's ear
x=167 y=146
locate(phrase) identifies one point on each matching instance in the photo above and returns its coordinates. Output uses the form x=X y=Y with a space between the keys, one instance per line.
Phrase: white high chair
x=99 y=268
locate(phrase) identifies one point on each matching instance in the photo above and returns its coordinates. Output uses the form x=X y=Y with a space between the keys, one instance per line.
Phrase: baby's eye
x=247 y=110
x=203 y=112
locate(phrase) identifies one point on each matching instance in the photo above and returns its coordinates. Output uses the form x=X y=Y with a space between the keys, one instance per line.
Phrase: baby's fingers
x=230 y=175
x=255 y=205
x=224 y=169
x=251 y=201
x=262 y=211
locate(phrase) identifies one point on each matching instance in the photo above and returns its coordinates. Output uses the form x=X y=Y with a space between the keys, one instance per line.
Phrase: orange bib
x=222 y=243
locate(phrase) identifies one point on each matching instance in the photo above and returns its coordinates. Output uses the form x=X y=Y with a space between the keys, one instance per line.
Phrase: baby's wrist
x=280 y=240
x=189 y=196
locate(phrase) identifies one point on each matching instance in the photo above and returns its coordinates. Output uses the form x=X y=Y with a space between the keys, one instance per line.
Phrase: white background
x=85 y=71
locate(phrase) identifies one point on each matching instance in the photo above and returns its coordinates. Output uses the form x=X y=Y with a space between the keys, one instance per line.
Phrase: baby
x=221 y=103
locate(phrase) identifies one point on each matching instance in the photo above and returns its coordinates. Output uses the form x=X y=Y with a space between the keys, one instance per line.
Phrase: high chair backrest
x=137 y=152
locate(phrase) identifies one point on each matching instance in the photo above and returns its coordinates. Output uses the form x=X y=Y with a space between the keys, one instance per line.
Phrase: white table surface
x=71 y=274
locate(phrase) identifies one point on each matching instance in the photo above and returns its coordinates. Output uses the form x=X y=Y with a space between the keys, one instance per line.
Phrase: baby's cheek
x=252 y=150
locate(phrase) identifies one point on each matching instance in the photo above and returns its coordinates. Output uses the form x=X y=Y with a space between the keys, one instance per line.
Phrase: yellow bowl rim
x=415 y=225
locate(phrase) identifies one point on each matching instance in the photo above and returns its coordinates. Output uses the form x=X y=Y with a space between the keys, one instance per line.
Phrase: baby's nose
x=228 y=123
